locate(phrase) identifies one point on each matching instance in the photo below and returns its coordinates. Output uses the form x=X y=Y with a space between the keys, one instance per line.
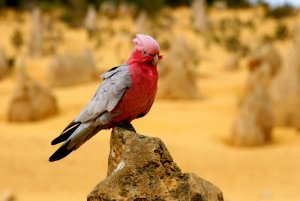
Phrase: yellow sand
x=195 y=133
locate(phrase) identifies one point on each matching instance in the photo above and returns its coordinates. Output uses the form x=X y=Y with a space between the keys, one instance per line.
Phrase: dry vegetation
x=195 y=131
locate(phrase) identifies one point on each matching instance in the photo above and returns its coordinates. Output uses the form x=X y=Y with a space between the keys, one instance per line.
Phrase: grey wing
x=108 y=95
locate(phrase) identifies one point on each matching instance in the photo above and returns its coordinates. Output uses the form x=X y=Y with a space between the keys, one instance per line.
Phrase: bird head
x=146 y=49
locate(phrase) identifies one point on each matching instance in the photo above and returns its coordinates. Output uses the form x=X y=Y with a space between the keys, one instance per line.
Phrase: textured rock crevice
x=141 y=168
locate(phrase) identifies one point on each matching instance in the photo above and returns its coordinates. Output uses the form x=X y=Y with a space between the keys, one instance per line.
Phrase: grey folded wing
x=108 y=95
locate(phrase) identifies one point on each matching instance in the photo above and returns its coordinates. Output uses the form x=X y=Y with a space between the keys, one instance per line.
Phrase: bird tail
x=62 y=152
x=73 y=136
x=67 y=132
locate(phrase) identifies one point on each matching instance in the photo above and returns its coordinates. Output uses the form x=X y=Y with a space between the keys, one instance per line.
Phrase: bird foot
x=126 y=125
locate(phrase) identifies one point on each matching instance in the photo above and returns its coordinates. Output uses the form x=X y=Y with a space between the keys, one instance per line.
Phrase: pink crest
x=146 y=43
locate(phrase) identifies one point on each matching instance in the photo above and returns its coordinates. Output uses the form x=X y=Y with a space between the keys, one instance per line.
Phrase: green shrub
x=174 y=3
x=232 y=3
x=152 y=7
x=233 y=44
x=11 y=62
x=281 y=31
x=279 y=12
x=2 y=4
x=17 y=39
x=47 y=6
x=71 y=18
x=238 y=3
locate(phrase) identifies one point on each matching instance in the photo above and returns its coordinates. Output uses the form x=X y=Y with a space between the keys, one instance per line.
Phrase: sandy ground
x=195 y=133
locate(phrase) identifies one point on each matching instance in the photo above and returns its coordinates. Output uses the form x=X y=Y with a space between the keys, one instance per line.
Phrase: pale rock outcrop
x=141 y=168
x=264 y=64
x=254 y=122
x=8 y=196
x=30 y=101
x=91 y=21
x=178 y=73
x=231 y=63
x=36 y=35
x=66 y=69
x=142 y=23
x=200 y=18
x=285 y=89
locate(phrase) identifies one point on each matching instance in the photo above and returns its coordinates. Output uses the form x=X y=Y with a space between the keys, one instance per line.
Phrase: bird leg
x=126 y=125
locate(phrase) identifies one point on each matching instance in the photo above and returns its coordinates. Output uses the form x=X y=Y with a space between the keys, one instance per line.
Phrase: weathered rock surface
x=141 y=168
x=200 y=18
x=36 y=35
x=91 y=21
x=265 y=52
x=231 y=63
x=253 y=125
x=285 y=89
x=30 y=101
x=66 y=69
x=178 y=73
x=264 y=64
x=142 y=23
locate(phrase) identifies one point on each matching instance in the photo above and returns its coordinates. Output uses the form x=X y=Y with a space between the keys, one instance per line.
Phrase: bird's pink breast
x=138 y=99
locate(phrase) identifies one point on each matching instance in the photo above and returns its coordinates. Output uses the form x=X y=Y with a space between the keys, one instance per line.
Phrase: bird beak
x=156 y=59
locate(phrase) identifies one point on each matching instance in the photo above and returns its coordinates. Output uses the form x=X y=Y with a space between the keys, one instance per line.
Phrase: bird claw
x=127 y=126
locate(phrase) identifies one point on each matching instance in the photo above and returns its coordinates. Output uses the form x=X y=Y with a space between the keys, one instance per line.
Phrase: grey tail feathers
x=67 y=132
x=84 y=133
x=63 y=151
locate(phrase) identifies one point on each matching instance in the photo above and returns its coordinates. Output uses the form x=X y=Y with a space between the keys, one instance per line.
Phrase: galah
x=126 y=93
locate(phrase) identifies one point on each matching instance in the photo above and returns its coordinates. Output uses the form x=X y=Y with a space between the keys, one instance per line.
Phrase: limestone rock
x=178 y=73
x=66 y=69
x=108 y=8
x=30 y=101
x=8 y=196
x=231 y=63
x=141 y=168
x=200 y=18
x=91 y=21
x=220 y=5
x=142 y=23
x=125 y=9
x=264 y=64
x=285 y=89
x=52 y=35
x=253 y=125
x=265 y=53
x=36 y=35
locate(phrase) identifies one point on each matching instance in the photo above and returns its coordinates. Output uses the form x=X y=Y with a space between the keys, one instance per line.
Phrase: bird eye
x=145 y=53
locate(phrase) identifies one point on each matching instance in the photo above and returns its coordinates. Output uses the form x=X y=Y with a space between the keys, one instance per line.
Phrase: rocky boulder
x=254 y=123
x=67 y=69
x=200 y=18
x=263 y=65
x=30 y=101
x=141 y=168
x=285 y=89
x=178 y=72
x=91 y=21
x=231 y=63
x=36 y=34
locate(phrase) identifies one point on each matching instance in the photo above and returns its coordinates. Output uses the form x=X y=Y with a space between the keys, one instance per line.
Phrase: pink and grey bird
x=126 y=93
